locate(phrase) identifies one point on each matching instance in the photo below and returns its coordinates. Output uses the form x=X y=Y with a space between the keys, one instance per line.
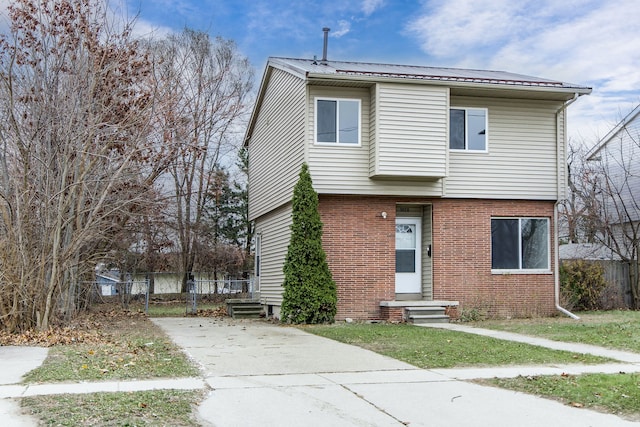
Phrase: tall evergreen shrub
x=309 y=290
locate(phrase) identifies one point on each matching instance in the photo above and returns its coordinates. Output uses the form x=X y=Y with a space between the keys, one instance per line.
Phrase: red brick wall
x=360 y=251
x=360 y=247
x=462 y=260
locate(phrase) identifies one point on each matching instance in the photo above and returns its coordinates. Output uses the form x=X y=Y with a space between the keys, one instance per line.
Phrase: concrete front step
x=429 y=314
x=407 y=310
x=420 y=319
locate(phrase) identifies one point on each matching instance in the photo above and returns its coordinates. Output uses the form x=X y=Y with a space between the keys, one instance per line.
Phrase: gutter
x=556 y=234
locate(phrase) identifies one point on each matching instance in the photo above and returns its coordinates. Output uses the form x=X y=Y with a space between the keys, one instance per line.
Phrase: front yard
x=120 y=345
x=434 y=348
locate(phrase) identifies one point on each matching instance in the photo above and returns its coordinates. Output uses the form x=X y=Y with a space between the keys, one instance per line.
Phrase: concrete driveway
x=263 y=374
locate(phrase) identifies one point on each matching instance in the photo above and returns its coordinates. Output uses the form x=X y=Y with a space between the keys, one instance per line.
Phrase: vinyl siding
x=276 y=148
x=275 y=235
x=427 y=266
x=563 y=176
x=522 y=158
x=346 y=169
x=411 y=132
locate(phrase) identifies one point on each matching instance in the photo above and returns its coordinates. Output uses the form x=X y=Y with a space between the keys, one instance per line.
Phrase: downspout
x=556 y=234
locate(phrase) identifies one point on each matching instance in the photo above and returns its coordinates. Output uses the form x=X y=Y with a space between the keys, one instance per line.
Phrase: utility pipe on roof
x=556 y=234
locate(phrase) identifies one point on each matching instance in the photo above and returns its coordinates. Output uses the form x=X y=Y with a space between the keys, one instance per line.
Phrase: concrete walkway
x=265 y=374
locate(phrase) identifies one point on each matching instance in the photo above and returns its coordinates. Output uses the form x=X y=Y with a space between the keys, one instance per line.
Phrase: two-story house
x=437 y=186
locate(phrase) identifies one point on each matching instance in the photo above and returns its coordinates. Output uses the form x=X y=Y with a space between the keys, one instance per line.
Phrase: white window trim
x=315 y=122
x=522 y=270
x=466 y=127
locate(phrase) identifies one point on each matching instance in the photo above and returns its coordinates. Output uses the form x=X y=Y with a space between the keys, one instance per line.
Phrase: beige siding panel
x=411 y=131
x=427 y=266
x=275 y=235
x=276 y=148
x=346 y=170
x=522 y=158
x=562 y=157
x=373 y=132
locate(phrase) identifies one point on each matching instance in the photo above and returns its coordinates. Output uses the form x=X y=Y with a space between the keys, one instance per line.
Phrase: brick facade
x=360 y=251
x=462 y=259
x=360 y=247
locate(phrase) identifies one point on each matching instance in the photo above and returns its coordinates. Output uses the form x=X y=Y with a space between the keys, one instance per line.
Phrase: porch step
x=428 y=314
x=244 y=309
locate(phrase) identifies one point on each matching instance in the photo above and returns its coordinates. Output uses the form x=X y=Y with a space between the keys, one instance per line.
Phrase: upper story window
x=338 y=121
x=468 y=129
x=520 y=244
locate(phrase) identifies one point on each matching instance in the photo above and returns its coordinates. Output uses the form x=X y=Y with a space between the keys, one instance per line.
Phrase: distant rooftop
x=410 y=72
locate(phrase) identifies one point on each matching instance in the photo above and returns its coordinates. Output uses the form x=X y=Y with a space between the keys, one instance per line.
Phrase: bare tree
x=76 y=97
x=577 y=211
x=614 y=202
x=209 y=81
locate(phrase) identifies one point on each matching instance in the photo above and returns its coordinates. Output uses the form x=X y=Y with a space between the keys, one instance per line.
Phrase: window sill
x=509 y=272
x=337 y=144
x=459 y=150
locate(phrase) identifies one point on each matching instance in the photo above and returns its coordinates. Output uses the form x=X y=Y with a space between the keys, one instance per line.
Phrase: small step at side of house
x=244 y=309
x=419 y=315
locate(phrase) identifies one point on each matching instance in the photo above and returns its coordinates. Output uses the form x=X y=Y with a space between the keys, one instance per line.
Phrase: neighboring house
x=108 y=282
x=436 y=185
x=618 y=154
x=617 y=157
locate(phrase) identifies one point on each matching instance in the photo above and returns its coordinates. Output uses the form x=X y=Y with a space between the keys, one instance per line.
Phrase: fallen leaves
x=50 y=337
x=86 y=328
x=218 y=312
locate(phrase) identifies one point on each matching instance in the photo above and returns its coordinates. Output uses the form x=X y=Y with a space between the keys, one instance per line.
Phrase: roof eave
x=570 y=91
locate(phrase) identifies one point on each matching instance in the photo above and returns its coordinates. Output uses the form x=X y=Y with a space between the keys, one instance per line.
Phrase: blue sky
x=589 y=42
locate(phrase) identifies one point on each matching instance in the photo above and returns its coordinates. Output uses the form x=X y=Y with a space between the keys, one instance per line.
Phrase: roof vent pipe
x=324 y=46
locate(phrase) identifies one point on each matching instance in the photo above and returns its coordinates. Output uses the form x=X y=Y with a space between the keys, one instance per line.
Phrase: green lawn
x=436 y=348
x=617 y=394
x=127 y=347
x=130 y=348
x=619 y=329
x=440 y=348
x=141 y=408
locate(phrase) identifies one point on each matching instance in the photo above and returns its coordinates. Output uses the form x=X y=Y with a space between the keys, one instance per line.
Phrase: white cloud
x=588 y=42
x=370 y=6
x=145 y=29
x=343 y=28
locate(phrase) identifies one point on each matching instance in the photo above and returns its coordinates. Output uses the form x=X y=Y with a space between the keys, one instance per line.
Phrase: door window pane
x=405 y=261
x=405 y=236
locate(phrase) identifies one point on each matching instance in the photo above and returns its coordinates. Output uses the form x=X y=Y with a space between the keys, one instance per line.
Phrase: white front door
x=408 y=256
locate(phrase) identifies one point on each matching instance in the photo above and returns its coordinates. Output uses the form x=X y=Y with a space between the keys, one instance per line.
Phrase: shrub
x=309 y=290
x=581 y=284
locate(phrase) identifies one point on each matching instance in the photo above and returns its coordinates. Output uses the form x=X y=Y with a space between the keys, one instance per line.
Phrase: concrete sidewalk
x=266 y=374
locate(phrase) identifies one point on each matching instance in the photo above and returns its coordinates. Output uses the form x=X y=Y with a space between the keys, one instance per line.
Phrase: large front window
x=468 y=129
x=520 y=244
x=338 y=121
